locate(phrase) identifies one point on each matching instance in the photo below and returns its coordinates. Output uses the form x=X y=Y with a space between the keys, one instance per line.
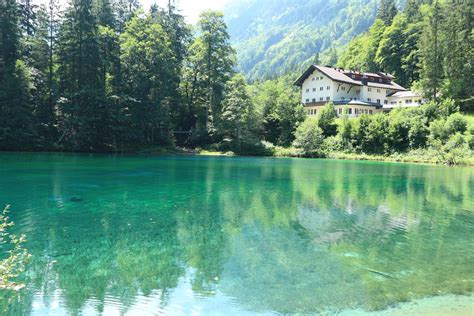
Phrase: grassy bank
x=415 y=156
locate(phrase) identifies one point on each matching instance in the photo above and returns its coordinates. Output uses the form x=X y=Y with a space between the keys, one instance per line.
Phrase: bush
x=453 y=151
x=332 y=144
x=309 y=136
x=326 y=120
x=14 y=263
x=456 y=123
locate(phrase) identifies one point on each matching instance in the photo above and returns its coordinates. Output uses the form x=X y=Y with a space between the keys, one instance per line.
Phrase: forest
x=106 y=76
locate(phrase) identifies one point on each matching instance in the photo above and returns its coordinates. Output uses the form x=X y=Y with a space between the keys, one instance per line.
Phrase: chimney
x=364 y=80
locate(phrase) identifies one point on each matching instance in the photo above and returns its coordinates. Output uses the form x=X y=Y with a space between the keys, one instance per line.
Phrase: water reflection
x=189 y=235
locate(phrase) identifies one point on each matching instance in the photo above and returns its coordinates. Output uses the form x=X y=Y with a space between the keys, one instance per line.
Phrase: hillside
x=273 y=37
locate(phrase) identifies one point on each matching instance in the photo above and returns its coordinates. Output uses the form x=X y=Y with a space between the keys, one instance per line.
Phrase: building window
x=353 y=76
x=370 y=111
x=369 y=99
x=343 y=88
x=328 y=87
x=313 y=79
x=340 y=111
x=369 y=89
x=321 y=89
x=321 y=99
x=378 y=90
x=307 y=100
x=314 y=89
x=343 y=98
x=380 y=80
x=350 y=110
x=314 y=100
x=327 y=98
x=385 y=102
x=317 y=78
x=378 y=101
x=307 y=90
x=407 y=101
x=358 y=91
x=321 y=78
x=356 y=111
x=315 y=111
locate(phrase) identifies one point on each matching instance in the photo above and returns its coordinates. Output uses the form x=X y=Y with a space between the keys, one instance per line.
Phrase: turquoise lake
x=147 y=235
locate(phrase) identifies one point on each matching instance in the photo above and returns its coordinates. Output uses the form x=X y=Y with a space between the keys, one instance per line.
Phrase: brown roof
x=340 y=75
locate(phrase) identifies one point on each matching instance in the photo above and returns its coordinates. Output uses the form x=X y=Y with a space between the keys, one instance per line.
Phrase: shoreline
x=181 y=151
x=443 y=305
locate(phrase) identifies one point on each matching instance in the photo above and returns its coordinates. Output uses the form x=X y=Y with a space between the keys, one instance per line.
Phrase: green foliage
x=275 y=38
x=326 y=120
x=387 y=11
x=309 y=136
x=279 y=106
x=17 y=256
x=238 y=118
x=451 y=151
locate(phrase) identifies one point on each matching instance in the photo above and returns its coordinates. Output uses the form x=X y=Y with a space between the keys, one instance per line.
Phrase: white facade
x=359 y=93
x=317 y=88
x=320 y=88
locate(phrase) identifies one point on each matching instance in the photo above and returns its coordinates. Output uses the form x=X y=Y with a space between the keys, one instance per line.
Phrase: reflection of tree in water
x=277 y=270
x=280 y=235
x=94 y=259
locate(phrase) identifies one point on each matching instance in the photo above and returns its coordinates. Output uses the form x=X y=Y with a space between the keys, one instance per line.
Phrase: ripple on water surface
x=190 y=235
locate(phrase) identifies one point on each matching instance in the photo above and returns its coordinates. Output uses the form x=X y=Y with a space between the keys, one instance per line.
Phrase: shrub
x=326 y=120
x=453 y=151
x=14 y=263
x=309 y=136
x=332 y=144
x=456 y=123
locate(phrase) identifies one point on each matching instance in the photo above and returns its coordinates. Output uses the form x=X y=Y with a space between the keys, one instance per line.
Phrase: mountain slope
x=274 y=37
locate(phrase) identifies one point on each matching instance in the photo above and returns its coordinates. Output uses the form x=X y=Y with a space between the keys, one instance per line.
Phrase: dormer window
x=353 y=76
x=380 y=80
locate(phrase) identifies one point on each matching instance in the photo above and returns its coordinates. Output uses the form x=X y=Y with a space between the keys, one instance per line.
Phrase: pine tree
x=84 y=110
x=16 y=122
x=387 y=11
x=458 y=44
x=432 y=52
x=238 y=122
x=218 y=63
x=149 y=67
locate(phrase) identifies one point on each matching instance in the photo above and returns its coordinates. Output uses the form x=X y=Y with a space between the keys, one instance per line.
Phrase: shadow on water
x=213 y=235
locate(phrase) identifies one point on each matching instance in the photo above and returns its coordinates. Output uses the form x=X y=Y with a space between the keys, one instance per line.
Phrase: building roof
x=341 y=75
x=405 y=94
x=357 y=102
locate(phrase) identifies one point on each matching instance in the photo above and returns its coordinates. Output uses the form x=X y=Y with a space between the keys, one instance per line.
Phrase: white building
x=359 y=93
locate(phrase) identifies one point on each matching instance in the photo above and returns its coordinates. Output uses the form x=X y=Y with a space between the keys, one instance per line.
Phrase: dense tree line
x=435 y=132
x=428 y=45
x=103 y=75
